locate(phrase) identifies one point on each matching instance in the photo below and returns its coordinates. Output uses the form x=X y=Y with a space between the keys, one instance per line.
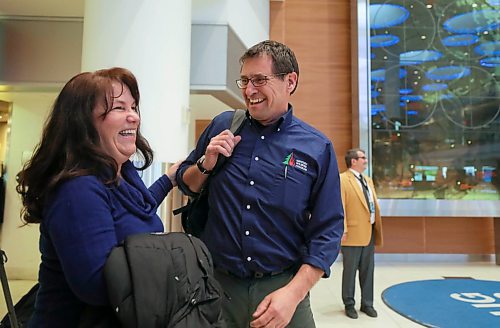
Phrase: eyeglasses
x=257 y=81
x=362 y=157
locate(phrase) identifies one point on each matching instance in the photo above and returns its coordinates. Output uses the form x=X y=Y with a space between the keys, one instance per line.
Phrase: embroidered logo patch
x=290 y=160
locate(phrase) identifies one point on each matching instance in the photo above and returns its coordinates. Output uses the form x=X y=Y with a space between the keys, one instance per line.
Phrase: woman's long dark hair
x=70 y=145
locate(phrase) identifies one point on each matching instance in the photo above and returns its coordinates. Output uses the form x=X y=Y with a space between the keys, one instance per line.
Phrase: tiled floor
x=327 y=301
x=326 y=298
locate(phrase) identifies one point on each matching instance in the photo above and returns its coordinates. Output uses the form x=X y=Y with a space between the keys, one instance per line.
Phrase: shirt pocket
x=291 y=189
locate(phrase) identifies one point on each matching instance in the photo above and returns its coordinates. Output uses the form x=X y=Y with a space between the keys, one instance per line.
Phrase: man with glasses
x=362 y=231
x=275 y=220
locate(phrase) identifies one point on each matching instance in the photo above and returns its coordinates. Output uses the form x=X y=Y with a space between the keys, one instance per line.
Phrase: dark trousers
x=246 y=294
x=358 y=258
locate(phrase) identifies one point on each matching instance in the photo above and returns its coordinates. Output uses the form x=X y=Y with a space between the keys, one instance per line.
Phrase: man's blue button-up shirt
x=276 y=202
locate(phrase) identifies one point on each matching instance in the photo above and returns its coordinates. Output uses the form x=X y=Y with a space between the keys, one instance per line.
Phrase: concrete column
x=249 y=19
x=152 y=39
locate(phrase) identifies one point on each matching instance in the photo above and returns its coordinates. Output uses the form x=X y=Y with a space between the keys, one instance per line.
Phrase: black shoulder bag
x=194 y=214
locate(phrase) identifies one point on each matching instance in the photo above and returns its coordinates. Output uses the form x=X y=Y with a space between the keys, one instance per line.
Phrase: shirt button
x=279 y=129
x=248 y=207
x=249 y=259
x=247 y=233
x=256 y=158
x=252 y=183
x=262 y=137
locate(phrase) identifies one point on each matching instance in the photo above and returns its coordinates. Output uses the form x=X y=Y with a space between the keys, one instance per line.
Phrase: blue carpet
x=447 y=303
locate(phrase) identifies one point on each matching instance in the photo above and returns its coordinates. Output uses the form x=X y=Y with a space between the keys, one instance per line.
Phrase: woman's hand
x=172 y=171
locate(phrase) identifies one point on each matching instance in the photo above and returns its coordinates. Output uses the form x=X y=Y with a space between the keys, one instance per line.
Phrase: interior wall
x=4 y=128
x=320 y=32
x=20 y=242
x=40 y=50
x=438 y=235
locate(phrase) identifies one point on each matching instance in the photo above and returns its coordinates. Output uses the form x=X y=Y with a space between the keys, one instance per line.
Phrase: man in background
x=362 y=232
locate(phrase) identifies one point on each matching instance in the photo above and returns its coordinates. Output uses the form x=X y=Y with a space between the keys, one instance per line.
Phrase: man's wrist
x=199 y=164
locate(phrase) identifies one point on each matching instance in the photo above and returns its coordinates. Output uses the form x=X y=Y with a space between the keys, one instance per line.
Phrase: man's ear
x=291 y=81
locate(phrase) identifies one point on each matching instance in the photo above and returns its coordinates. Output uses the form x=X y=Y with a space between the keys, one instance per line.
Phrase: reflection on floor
x=326 y=297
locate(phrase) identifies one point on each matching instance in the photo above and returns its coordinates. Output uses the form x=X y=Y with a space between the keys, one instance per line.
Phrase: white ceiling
x=55 y=8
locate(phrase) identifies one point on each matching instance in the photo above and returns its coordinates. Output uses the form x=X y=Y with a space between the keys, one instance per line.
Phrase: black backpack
x=194 y=214
x=163 y=280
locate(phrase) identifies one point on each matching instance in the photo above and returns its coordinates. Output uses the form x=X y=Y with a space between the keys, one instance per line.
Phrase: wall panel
x=403 y=235
x=438 y=235
x=318 y=33
x=454 y=235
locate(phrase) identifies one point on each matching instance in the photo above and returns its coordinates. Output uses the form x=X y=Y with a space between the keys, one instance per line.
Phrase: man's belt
x=255 y=274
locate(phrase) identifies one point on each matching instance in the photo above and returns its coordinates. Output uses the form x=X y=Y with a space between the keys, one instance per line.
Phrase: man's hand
x=276 y=309
x=224 y=144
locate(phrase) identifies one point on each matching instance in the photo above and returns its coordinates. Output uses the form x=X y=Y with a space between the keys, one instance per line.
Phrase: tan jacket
x=356 y=212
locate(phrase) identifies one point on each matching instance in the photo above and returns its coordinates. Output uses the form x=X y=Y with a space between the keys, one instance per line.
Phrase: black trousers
x=362 y=259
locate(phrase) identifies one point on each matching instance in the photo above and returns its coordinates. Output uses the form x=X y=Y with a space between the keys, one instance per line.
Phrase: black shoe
x=369 y=310
x=350 y=311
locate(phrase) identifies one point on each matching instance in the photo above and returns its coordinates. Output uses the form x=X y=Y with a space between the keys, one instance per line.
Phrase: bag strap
x=6 y=291
x=237 y=123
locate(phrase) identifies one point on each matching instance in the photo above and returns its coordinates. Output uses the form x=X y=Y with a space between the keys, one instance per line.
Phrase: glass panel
x=435 y=99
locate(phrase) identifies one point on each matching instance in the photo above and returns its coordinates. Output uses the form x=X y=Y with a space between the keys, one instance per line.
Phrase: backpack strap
x=237 y=123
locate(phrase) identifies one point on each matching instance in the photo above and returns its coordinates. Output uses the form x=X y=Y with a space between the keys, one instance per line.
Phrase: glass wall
x=435 y=99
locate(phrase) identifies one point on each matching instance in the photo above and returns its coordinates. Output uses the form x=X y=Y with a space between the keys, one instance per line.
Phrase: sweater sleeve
x=160 y=188
x=80 y=226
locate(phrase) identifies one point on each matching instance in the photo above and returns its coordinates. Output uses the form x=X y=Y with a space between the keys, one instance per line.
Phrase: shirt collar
x=282 y=122
x=356 y=173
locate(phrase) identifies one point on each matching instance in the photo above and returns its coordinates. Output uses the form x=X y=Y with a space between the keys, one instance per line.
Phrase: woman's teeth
x=127 y=132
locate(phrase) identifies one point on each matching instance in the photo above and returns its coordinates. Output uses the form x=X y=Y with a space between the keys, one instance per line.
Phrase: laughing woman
x=86 y=194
